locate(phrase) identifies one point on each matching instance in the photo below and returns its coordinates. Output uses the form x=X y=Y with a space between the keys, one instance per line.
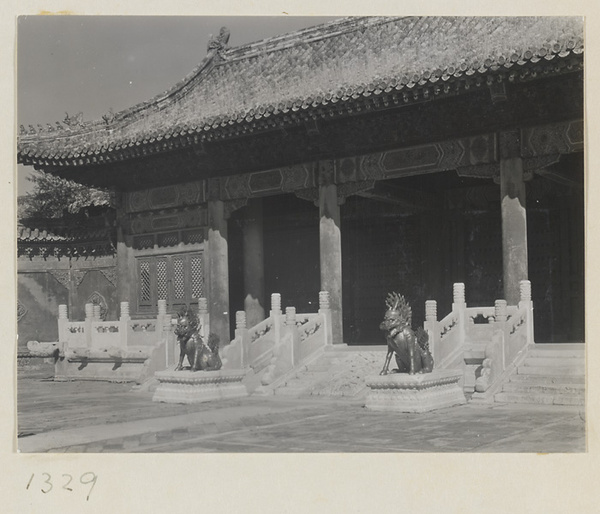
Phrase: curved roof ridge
x=316 y=67
x=306 y=35
x=275 y=43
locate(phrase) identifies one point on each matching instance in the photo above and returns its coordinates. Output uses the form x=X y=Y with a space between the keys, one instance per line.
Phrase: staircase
x=303 y=379
x=551 y=374
x=337 y=372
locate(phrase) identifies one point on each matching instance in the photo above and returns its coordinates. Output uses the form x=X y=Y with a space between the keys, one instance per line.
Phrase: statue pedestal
x=199 y=386
x=400 y=392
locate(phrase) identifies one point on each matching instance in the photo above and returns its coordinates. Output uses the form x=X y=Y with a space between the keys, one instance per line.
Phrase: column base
x=425 y=392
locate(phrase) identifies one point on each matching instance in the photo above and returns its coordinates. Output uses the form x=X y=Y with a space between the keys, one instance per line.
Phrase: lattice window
x=141 y=242
x=197 y=276
x=193 y=236
x=161 y=279
x=178 y=278
x=170 y=239
x=144 y=281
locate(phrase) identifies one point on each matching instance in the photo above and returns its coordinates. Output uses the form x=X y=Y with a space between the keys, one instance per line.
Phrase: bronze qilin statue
x=202 y=356
x=411 y=349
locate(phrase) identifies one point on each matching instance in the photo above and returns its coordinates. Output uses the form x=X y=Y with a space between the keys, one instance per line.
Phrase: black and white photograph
x=299 y=235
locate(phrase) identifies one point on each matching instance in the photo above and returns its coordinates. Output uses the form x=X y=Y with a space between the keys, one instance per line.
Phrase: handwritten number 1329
x=88 y=478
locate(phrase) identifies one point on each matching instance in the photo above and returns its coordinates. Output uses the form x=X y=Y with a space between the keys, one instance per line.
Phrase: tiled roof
x=28 y=235
x=315 y=70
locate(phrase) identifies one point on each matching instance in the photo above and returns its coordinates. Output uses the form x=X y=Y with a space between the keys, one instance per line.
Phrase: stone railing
x=485 y=341
x=279 y=343
x=99 y=350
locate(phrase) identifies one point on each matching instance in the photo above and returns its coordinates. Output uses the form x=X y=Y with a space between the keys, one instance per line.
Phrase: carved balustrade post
x=431 y=327
x=204 y=318
x=124 y=307
x=526 y=303
x=89 y=317
x=500 y=311
x=276 y=315
x=162 y=307
x=63 y=320
x=240 y=320
x=325 y=310
x=290 y=330
x=525 y=290
x=275 y=304
x=290 y=316
x=163 y=322
x=430 y=310
x=237 y=352
x=458 y=293
x=459 y=308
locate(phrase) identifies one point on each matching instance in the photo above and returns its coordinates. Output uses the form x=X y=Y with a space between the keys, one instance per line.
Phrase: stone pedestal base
x=400 y=392
x=199 y=386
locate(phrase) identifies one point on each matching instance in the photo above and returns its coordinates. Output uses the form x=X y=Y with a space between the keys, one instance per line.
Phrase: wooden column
x=254 y=263
x=514 y=217
x=331 y=255
x=126 y=272
x=218 y=271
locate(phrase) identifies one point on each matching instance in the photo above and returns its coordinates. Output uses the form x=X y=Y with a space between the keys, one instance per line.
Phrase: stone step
x=563 y=353
x=542 y=379
x=300 y=383
x=551 y=370
x=546 y=399
x=524 y=387
x=554 y=361
x=320 y=365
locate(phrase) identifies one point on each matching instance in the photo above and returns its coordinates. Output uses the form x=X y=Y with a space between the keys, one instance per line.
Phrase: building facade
x=358 y=157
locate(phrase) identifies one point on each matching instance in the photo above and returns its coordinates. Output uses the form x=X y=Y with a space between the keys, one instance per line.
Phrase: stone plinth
x=400 y=392
x=199 y=386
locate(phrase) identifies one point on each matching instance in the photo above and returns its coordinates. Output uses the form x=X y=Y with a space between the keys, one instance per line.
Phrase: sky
x=91 y=64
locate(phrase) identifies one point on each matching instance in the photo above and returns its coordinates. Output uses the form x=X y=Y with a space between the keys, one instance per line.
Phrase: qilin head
x=187 y=322
x=398 y=313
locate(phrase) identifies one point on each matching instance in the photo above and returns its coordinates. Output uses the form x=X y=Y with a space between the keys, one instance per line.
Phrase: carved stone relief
x=97 y=299
x=21 y=311
x=110 y=274
x=63 y=276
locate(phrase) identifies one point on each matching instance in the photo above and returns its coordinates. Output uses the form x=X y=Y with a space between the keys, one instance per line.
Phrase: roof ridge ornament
x=109 y=117
x=218 y=44
x=73 y=121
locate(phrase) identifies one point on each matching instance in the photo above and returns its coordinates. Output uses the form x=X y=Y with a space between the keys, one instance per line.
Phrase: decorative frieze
x=262 y=183
x=190 y=193
x=144 y=223
x=556 y=138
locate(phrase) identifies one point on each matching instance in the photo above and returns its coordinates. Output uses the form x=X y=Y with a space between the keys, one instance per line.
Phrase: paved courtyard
x=106 y=417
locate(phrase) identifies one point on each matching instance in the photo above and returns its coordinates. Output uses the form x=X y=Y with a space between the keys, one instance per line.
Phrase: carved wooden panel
x=190 y=193
x=555 y=138
x=261 y=183
x=142 y=223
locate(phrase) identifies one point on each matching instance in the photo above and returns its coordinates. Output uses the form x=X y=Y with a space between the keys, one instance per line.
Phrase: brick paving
x=94 y=417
